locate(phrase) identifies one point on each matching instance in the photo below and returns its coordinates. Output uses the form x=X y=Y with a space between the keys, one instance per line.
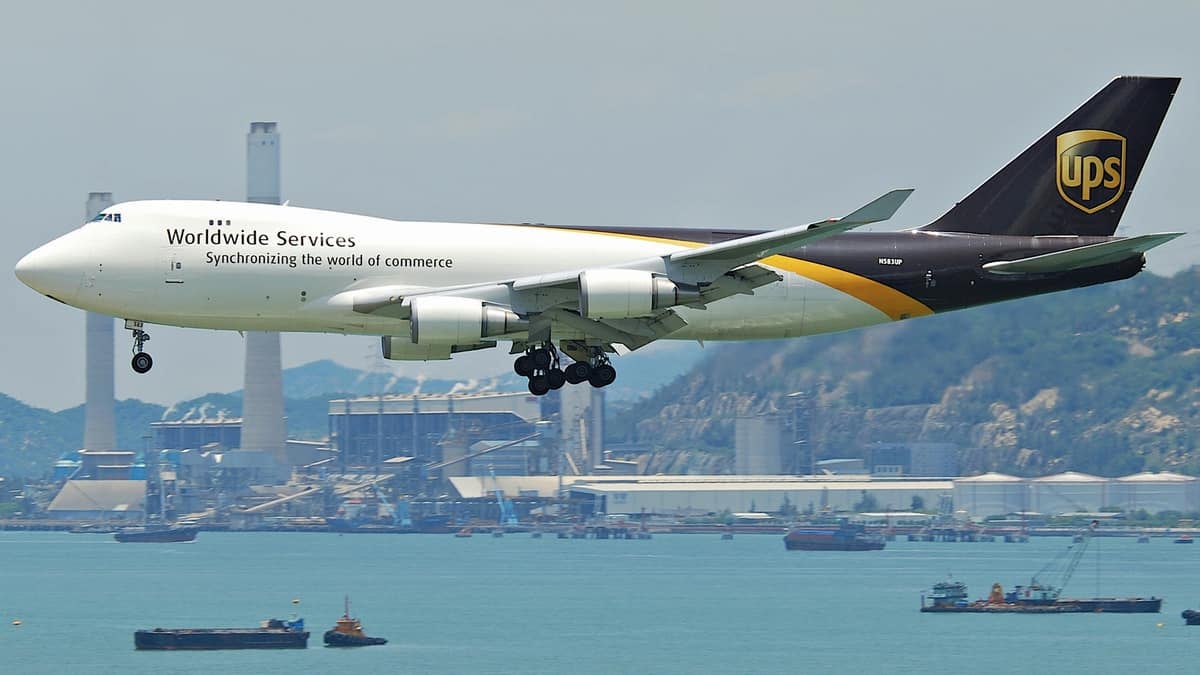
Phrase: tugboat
x=348 y=632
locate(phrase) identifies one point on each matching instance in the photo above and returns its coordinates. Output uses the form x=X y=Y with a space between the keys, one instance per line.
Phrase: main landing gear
x=142 y=363
x=541 y=366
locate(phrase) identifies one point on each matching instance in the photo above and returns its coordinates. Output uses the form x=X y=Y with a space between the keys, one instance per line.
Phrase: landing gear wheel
x=578 y=372
x=555 y=378
x=602 y=375
x=523 y=366
x=142 y=363
x=541 y=358
x=539 y=385
x=141 y=360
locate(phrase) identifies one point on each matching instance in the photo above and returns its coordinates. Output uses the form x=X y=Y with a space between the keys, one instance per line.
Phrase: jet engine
x=446 y=320
x=622 y=294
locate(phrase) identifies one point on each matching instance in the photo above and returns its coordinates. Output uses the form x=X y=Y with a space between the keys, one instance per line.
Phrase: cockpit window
x=113 y=217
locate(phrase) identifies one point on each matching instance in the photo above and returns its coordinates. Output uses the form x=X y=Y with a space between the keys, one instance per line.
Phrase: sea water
x=516 y=604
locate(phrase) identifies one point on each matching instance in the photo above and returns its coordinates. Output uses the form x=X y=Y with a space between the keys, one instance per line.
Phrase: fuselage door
x=173 y=267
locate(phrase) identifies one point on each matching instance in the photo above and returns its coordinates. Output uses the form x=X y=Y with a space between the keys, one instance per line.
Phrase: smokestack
x=581 y=432
x=262 y=405
x=99 y=410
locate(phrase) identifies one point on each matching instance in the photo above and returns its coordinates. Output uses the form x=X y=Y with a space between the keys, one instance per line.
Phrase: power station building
x=367 y=430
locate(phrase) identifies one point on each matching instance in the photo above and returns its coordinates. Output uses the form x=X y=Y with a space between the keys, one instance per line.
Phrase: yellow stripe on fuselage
x=893 y=303
x=886 y=299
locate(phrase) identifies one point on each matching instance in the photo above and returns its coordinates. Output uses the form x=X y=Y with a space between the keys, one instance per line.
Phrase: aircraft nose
x=47 y=271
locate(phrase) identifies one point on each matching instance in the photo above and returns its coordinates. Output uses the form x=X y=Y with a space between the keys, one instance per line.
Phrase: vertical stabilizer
x=1077 y=179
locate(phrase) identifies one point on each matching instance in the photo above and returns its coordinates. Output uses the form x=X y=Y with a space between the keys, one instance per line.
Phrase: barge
x=951 y=596
x=1038 y=597
x=272 y=634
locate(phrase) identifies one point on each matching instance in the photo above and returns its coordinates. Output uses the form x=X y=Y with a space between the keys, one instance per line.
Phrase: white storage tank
x=991 y=494
x=1155 y=492
x=1069 y=492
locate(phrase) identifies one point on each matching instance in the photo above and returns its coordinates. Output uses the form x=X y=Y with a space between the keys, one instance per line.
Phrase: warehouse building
x=699 y=495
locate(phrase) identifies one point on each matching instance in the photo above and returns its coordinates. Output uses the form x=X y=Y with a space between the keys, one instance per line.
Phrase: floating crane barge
x=1037 y=597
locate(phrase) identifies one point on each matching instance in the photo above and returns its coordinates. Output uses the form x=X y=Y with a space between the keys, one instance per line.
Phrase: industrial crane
x=507 y=515
x=1048 y=592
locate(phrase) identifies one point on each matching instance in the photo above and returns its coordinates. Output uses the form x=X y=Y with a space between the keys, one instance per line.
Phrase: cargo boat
x=156 y=534
x=843 y=537
x=348 y=632
x=951 y=596
x=272 y=634
x=1038 y=597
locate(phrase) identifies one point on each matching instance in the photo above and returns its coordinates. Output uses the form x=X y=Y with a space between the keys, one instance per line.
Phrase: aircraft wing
x=702 y=275
x=1085 y=256
x=706 y=264
x=716 y=259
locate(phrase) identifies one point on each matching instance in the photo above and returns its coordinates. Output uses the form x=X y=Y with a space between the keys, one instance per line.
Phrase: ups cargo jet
x=568 y=297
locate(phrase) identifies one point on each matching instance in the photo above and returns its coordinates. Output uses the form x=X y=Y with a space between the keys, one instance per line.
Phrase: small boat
x=94 y=528
x=465 y=532
x=156 y=534
x=1191 y=617
x=348 y=632
x=1144 y=539
x=1183 y=539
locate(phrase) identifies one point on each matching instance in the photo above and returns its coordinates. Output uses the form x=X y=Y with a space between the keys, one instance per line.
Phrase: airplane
x=568 y=297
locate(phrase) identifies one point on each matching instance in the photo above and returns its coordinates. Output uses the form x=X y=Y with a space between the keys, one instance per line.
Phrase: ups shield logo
x=1091 y=168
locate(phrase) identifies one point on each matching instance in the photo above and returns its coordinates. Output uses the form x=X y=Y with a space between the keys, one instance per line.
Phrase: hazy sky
x=725 y=114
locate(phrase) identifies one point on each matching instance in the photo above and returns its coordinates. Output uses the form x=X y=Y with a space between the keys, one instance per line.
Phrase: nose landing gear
x=141 y=363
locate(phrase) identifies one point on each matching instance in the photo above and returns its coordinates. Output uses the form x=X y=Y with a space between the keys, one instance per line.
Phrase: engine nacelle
x=400 y=348
x=446 y=320
x=622 y=294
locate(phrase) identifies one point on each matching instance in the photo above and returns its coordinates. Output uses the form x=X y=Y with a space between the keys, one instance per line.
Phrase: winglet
x=880 y=209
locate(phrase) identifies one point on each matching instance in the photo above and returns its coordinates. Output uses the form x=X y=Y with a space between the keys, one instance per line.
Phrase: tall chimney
x=262 y=405
x=99 y=410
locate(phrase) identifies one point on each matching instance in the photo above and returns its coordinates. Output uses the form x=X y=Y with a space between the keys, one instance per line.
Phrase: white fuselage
x=238 y=266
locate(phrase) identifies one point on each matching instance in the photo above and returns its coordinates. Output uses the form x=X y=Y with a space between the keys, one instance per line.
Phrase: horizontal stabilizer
x=1085 y=256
